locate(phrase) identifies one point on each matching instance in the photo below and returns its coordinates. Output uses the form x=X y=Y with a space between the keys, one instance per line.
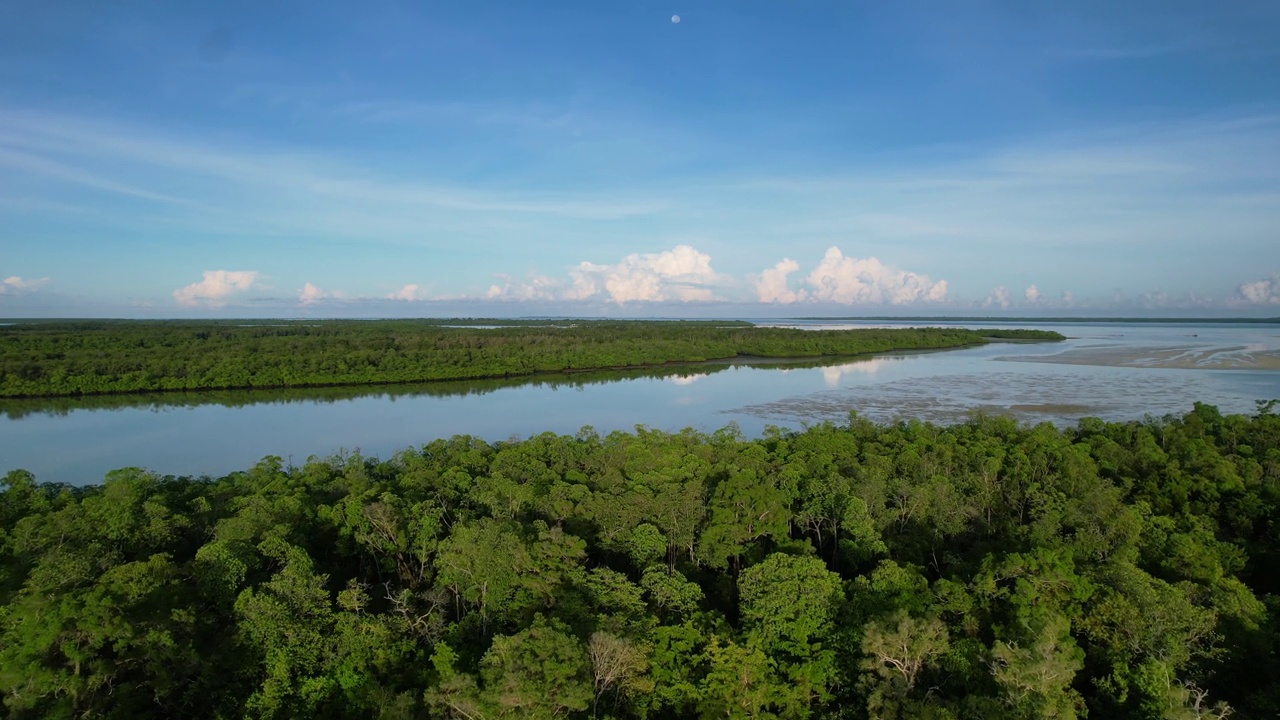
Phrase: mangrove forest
x=72 y=358
x=981 y=570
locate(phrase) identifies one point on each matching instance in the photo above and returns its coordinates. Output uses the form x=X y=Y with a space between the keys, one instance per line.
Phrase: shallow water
x=1108 y=370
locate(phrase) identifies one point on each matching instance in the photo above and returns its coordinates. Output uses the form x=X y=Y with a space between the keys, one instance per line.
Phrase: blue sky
x=755 y=158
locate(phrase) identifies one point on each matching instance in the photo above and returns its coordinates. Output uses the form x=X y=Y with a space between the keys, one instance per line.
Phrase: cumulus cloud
x=999 y=297
x=536 y=287
x=1032 y=294
x=216 y=288
x=408 y=292
x=15 y=285
x=310 y=294
x=1261 y=292
x=685 y=274
x=772 y=283
x=679 y=274
x=850 y=280
x=1068 y=297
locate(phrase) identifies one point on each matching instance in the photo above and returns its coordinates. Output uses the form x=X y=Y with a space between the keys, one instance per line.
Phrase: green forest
x=979 y=570
x=75 y=358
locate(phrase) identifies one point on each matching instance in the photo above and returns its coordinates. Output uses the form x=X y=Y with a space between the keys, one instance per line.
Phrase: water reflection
x=78 y=440
x=677 y=373
x=1143 y=369
x=687 y=379
x=832 y=374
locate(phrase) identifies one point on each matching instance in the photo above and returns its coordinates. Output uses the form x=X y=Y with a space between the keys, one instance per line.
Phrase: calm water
x=1099 y=372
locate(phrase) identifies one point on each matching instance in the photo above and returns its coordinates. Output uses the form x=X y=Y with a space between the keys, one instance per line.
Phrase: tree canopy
x=981 y=570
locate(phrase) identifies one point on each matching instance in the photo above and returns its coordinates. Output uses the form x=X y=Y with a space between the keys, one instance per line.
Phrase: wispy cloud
x=272 y=187
x=531 y=116
x=1083 y=208
x=1126 y=52
x=36 y=166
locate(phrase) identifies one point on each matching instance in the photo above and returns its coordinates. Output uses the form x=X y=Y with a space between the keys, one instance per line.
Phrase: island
x=74 y=358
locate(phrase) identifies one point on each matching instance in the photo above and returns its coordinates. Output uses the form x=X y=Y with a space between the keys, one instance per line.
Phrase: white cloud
x=684 y=274
x=681 y=273
x=1155 y=299
x=537 y=287
x=772 y=283
x=311 y=294
x=1109 y=194
x=850 y=280
x=998 y=297
x=14 y=284
x=1113 y=194
x=1032 y=294
x=216 y=288
x=1261 y=292
x=1068 y=297
x=409 y=292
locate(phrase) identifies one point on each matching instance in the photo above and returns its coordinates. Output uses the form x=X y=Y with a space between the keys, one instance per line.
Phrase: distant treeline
x=982 y=570
x=1062 y=319
x=1019 y=334
x=98 y=357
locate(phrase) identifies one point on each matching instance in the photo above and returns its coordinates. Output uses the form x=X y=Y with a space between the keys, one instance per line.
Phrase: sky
x=682 y=158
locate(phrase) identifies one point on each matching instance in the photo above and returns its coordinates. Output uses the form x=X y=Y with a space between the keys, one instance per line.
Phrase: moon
x=675 y=19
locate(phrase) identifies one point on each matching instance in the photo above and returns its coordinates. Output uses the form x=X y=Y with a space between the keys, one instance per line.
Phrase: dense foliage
x=983 y=570
x=1019 y=334
x=85 y=357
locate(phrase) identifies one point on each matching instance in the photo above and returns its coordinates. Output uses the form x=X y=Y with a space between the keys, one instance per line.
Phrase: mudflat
x=1184 y=357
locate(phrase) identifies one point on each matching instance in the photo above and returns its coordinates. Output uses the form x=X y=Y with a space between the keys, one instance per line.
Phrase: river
x=1116 y=371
